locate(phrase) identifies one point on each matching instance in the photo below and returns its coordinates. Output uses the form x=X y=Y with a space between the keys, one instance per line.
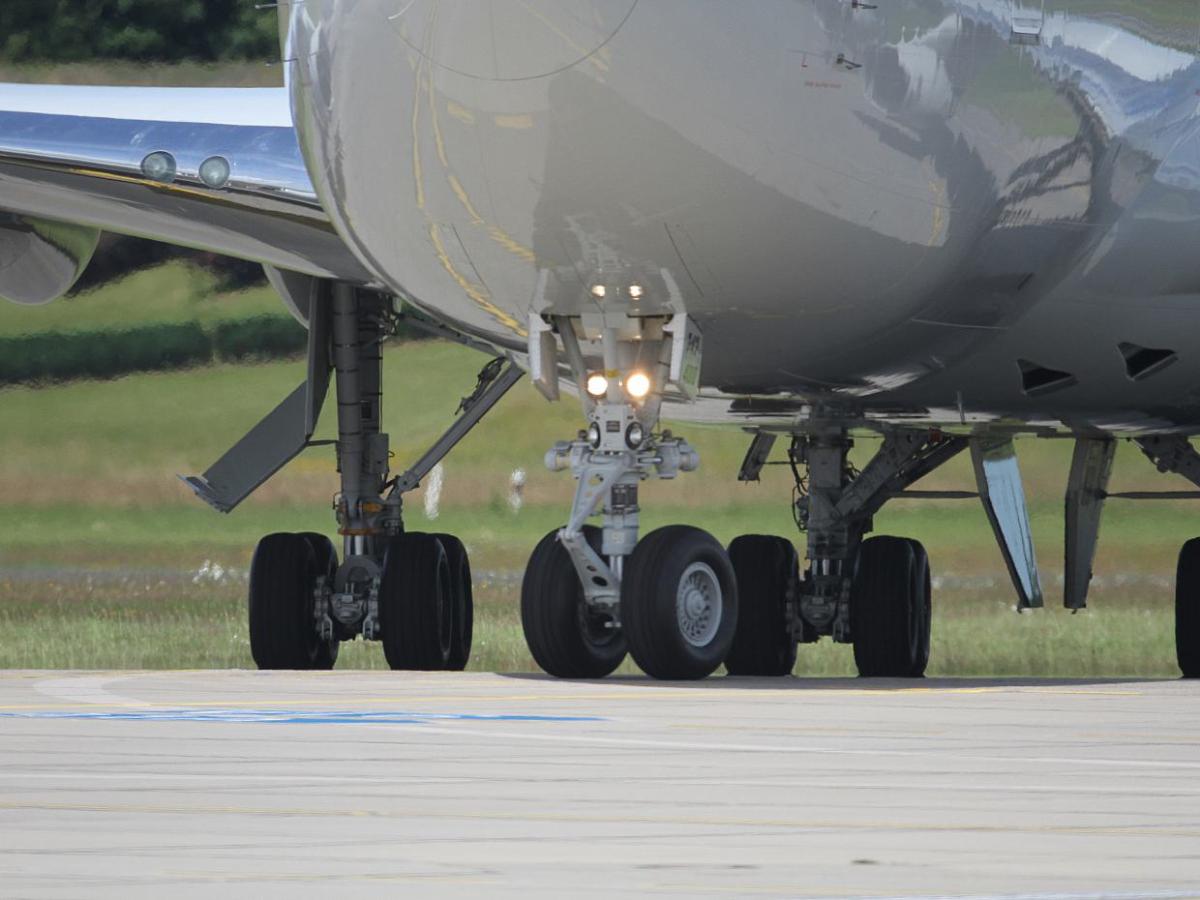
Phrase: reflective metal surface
x=878 y=206
x=998 y=476
x=78 y=153
x=40 y=260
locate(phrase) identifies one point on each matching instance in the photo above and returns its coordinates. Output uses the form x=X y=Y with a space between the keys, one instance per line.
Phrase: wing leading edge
x=78 y=156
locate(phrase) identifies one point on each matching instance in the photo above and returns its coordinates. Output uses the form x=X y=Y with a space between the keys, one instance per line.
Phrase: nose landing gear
x=589 y=593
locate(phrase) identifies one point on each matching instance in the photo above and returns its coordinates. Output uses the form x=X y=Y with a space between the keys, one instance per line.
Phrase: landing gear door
x=1027 y=19
x=686 y=346
x=999 y=479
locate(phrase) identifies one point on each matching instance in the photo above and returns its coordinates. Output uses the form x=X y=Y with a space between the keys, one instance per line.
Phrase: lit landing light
x=159 y=166
x=215 y=172
x=597 y=385
x=598 y=291
x=635 y=292
x=638 y=385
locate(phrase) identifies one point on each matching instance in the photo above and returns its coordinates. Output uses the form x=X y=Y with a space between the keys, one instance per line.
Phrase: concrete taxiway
x=202 y=784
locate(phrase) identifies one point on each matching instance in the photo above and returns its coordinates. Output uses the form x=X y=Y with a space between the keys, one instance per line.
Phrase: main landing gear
x=873 y=592
x=1176 y=454
x=408 y=590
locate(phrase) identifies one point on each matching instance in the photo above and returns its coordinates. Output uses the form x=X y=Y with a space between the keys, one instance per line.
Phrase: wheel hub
x=698 y=604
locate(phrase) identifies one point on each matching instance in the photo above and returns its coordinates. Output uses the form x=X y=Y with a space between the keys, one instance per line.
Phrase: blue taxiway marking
x=290 y=716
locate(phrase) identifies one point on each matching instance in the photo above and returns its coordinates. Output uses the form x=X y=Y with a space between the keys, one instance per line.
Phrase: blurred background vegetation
x=41 y=31
x=162 y=357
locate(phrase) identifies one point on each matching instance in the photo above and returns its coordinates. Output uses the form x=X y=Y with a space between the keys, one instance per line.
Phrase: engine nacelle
x=40 y=259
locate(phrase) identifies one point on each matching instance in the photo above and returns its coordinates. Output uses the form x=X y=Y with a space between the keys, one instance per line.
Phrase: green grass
x=97 y=537
x=168 y=294
x=115 y=72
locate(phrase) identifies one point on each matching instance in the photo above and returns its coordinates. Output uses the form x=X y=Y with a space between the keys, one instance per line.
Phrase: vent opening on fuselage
x=1038 y=380
x=1142 y=362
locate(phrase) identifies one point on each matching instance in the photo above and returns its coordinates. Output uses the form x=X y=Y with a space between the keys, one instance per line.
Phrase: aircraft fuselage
x=949 y=211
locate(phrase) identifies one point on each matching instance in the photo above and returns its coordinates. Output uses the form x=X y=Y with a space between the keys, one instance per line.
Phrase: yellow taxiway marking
x=602 y=819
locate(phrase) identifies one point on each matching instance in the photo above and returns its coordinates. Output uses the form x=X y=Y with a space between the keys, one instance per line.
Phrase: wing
x=78 y=160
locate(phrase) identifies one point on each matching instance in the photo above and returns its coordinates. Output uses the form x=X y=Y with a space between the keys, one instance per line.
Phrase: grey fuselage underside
x=879 y=209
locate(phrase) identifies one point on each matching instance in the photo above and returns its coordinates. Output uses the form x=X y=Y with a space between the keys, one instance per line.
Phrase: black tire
x=766 y=568
x=891 y=609
x=565 y=638
x=327 y=565
x=414 y=603
x=654 y=615
x=283 y=632
x=1187 y=609
x=462 y=602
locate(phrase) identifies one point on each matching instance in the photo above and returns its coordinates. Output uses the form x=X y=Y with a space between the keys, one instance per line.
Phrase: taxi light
x=597 y=385
x=638 y=385
x=635 y=435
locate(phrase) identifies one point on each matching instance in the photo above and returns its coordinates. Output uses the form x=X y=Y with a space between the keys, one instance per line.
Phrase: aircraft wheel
x=766 y=567
x=462 y=604
x=566 y=639
x=1187 y=609
x=891 y=608
x=679 y=603
x=283 y=632
x=327 y=565
x=415 y=616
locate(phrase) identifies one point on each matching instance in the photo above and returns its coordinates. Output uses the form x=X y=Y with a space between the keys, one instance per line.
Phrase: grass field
x=106 y=560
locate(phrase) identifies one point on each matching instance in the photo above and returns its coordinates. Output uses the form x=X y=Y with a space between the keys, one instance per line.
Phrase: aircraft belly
x=862 y=202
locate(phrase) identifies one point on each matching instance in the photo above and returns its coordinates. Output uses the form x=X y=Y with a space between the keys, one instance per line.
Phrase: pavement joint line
x=351 y=779
x=270 y=716
x=600 y=819
x=792 y=749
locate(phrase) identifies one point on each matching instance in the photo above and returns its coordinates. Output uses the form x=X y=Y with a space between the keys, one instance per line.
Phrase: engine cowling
x=41 y=259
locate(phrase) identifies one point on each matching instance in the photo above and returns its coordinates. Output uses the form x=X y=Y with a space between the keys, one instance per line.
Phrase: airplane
x=942 y=223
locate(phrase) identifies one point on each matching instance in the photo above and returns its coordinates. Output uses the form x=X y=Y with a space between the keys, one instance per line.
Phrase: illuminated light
x=635 y=434
x=638 y=385
x=635 y=291
x=159 y=166
x=215 y=172
x=598 y=291
x=597 y=385
x=593 y=435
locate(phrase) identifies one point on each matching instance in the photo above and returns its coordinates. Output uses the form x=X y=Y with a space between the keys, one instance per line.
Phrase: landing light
x=598 y=291
x=635 y=291
x=597 y=385
x=638 y=385
x=214 y=172
x=159 y=166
